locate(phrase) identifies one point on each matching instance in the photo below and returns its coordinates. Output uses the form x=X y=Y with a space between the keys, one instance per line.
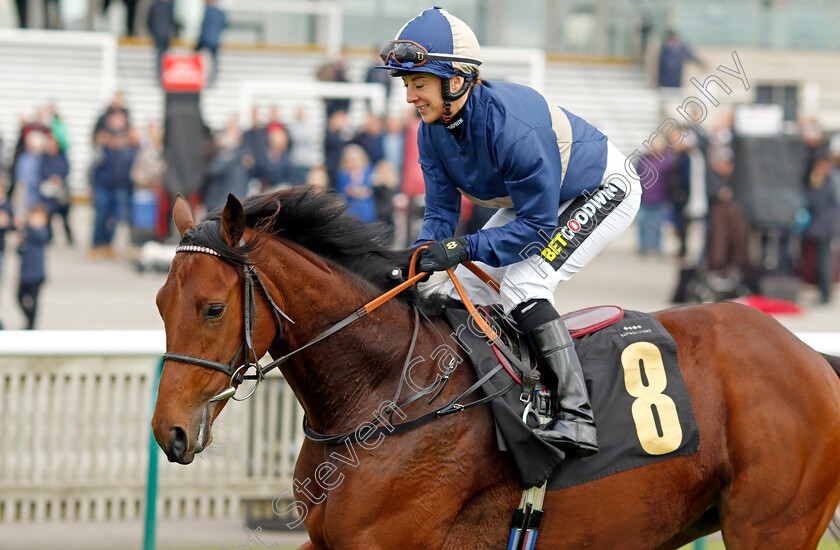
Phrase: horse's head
x=201 y=304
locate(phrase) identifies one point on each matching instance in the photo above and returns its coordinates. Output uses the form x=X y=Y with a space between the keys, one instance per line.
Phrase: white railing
x=330 y=31
x=75 y=435
x=74 y=439
x=251 y=91
x=498 y=60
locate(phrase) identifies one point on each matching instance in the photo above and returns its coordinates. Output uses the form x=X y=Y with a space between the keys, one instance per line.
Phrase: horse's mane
x=318 y=222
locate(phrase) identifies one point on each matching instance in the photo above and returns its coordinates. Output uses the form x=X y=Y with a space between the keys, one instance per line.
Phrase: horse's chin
x=205 y=429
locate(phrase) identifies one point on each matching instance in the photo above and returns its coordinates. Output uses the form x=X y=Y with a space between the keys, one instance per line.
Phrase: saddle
x=579 y=323
x=541 y=407
x=601 y=343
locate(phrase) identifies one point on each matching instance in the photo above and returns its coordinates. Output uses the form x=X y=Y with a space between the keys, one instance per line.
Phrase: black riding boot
x=573 y=428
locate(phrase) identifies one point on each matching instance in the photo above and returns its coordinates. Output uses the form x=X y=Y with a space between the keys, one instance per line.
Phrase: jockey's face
x=423 y=91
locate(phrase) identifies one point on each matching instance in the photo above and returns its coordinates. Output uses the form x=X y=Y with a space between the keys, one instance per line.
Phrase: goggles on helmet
x=409 y=54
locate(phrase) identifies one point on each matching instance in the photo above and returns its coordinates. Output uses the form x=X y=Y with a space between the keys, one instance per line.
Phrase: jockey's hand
x=443 y=255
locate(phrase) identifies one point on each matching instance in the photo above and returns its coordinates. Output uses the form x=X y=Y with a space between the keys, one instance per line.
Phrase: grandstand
x=78 y=72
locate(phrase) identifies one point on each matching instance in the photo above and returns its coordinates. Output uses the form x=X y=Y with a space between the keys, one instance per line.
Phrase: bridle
x=239 y=373
x=250 y=279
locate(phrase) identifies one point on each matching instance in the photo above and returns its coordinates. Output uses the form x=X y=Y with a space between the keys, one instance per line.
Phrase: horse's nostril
x=178 y=441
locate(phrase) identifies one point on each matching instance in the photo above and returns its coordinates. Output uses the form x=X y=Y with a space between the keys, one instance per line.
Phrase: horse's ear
x=183 y=215
x=233 y=221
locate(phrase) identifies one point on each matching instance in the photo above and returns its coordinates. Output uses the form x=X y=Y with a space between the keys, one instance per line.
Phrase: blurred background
x=108 y=108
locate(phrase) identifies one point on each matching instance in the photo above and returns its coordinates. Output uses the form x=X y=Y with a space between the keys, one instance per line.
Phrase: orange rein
x=414 y=277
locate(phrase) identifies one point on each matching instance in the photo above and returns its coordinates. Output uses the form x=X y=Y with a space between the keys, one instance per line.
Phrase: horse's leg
x=792 y=514
x=802 y=533
x=783 y=478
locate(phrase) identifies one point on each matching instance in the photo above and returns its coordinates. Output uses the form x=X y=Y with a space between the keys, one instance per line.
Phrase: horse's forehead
x=199 y=274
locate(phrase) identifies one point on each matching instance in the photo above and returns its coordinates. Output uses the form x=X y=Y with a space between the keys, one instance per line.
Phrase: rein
x=250 y=280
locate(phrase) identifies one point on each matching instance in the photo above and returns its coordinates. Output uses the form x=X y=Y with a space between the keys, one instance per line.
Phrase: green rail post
x=700 y=544
x=152 y=478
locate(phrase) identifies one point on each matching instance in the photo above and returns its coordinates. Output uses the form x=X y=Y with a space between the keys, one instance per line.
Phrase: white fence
x=74 y=433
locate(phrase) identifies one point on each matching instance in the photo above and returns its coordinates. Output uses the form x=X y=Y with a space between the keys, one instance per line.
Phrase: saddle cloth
x=638 y=396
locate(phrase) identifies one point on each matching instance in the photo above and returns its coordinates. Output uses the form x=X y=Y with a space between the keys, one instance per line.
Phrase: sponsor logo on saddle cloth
x=639 y=399
x=578 y=220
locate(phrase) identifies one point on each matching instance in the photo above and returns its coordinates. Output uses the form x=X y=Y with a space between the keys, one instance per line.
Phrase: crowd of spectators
x=373 y=167
x=690 y=182
x=364 y=166
x=33 y=191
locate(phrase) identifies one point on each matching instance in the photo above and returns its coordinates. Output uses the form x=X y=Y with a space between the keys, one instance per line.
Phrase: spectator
x=7 y=216
x=371 y=137
x=274 y=122
x=130 y=15
x=334 y=143
x=276 y=168
x=335 y=72
x=27 y=125
x=148 y=223
x=23 y=13
x=413 y=184
x=355 y=183
x=727 y=240
x=147 y=170
x=228 y=169
x=162 y=27
x=302 y=137
x=117 y=105
x=671 y=59
x=212 y=25
x=378 y=76
x=386 y=182
x=823 y=196
x=28 y=168
x=34 y=240
x=672 y=56
x=54 y=191
x=678 y=182
x=393 y=142
x=112 y=184
x=654 y=198
x=255 y=142
x=318 y=178
x=816 y=146
x=58 y=128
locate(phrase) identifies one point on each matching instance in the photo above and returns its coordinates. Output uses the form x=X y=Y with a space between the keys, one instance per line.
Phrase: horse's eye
x=213 y=311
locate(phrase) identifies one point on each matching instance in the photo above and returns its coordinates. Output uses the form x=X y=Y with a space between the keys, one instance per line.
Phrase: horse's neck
x=343 y=376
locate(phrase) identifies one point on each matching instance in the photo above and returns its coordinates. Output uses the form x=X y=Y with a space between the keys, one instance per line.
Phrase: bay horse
x=768 y=406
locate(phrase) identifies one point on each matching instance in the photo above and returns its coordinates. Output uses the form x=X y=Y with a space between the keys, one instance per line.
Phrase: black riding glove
x=443 y=255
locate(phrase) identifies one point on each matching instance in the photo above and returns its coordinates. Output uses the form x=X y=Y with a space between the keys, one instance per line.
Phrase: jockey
x=562 y=190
